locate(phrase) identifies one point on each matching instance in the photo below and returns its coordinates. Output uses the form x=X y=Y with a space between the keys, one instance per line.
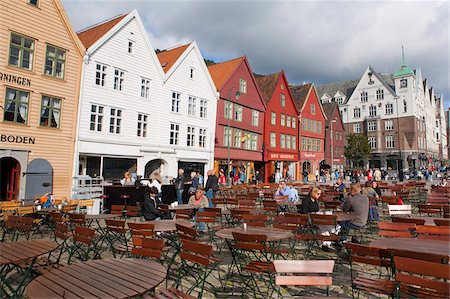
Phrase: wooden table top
x=168 y=225
x=413 y=244
x=106 y=278
x=273 y=234
x=304 y=266
x=15 y=252
x=183 y=207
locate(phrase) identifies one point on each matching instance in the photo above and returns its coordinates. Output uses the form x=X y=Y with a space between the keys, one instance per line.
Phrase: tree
x=357 y=149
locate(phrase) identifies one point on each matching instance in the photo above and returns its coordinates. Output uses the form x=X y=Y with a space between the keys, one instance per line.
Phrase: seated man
x=284 y=190
x=339 y=186
x=358 y=205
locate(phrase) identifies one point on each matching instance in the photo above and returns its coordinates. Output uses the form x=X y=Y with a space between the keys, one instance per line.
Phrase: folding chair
x=85 y=242
x=148 y=248
x=211 y=220
x=76 y=220
x=441 y=222
x=117 y=210
x=399 y=210
x=433 y=232
x=116 y=236
x=133 y=212
x=255 y=220
x=10 y=228
x=396 y=229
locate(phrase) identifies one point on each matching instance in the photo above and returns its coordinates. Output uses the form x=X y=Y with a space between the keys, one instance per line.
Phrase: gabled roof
x=221 y=72
x=267 y=85
x=93 y=33
x=167 y=58
x=300 y=94
x=346 y=87
x=329 y=109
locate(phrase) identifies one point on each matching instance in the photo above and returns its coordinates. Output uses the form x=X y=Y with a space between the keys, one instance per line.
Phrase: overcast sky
x=313 y=41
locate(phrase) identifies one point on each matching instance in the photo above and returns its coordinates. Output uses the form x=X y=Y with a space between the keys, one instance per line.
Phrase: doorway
x=10 y=179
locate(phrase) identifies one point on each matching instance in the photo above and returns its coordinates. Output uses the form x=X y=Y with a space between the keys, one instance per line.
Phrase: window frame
x=101 y=74
x=273 y=118
x=174 y=134
x=242 y=86
x=237 y=134
x=55 y=61
x=51 y=109
x=371 y=128
x=115 y=120
x=282 y=100
x=192 y=106
x=203 y=108
x=21 y=48
x=98 y=118
x=118 y=79
x=145 y=88
x=142 y=125
x=390 y=143
x=238 y=111
x=175 y=102
x=357 y=128
x=255 y=118
x=273 y=139
x=372 y=142
x=190 y=136
x=356 y=112
x=364 y=97
x=202 y=137
x=372 y=112
x=17 y=103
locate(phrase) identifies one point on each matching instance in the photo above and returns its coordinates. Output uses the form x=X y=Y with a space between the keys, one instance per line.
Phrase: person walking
x=212 y=185
x=179 y=185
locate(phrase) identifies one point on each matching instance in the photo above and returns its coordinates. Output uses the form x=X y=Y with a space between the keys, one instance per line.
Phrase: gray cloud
x=315 y=41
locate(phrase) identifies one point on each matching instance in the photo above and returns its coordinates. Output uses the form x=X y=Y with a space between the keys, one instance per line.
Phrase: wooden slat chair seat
x=148 y=248
x=184 y=214
x=399 y=210
x=446 y=211
x=85 y=204
x=133 y=212
x=313 y=236
x=197 y=263
x=24 y=227
x=399 y=219
x=85 y=242
x=76 y=220
x=236 y=216
x=389 y=200
x=430 y=209
x=296 y=223
x=270 y=205
x=396 y=229
x=141 y=229
x=442 y=222
x=246 y=203
x=255 y=220
x=433 y=232
x=304 y=273
x=69 y=208
x=370 y=281
x=117 y=209
x=421 y=279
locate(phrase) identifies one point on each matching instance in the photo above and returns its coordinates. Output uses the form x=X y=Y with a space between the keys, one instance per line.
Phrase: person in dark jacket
x=212 y=185
x=311 y=203
x=179 y=185
x=149 y=205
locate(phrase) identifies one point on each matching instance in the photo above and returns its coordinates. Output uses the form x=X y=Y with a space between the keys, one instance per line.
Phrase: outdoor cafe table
x=106 y=278
x=413 y=244
x=273 y=234
x=16 y=252
x=97 y=217
x=168 y=225
x=183 y=207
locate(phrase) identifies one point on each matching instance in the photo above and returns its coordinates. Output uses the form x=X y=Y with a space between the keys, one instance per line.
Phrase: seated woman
x=149 y=205
x=156 y=182
x=127 y=179
x=311 y=203
x=200 y=201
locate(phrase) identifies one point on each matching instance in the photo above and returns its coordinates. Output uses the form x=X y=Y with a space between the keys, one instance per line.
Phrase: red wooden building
x=240 y=118
x=311 y=128
x=334 y=136
x=280 y=126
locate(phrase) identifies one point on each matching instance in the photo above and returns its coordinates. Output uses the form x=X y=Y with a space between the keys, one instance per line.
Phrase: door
x=10 y=179
x=39 y=177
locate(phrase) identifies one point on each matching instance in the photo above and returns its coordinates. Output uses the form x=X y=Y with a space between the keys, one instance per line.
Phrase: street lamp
x=331 y=136
x=229 y=116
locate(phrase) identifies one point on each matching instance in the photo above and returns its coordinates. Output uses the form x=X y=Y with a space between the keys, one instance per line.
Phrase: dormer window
x=130 y=47
x=191 y=73
x=340 y=100
x=364 y=96
x=380 y=94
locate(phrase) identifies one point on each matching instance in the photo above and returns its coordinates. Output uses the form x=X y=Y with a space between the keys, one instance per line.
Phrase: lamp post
x=331 y=137
x=229 y=116
x=400 y=160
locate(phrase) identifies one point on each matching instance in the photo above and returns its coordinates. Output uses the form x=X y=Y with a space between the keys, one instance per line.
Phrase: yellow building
x=40 y=68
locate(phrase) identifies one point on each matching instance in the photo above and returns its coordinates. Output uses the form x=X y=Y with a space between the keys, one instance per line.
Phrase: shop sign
x=8 y=78
x=17 y=139
x=309 y=155
x=336 y=160
x=282 y=156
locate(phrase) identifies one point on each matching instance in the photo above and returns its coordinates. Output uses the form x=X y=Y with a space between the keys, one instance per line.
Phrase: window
x=357 y=112
x=227 y=136
x=130 y=47
x=118 y=79
x=309 y=144
x=142 y=123
x=373 y=142
x=190 y=136
x=50 y=112
x=115 y=119
x=203 y=108
x=371 y=126
x=294 y=142
x=389 y=141
x=313 y=109
x=96 y=118
x=319 y=145
x=357 y=128
x=288 y=121
x=282 y=100
x=242 y=86
x=145 y=88
x=294 y=121
x=405 y=106
x=174 y=132
x=255 y=118
x=403 y=83
x=340 y=100
x=237 y=138
x=175 y=102
x=273 y=139
x=33 y=2
x=100 y=74
x=16 y=105
x=192 y=106
x=253 y=142
x=273 y=118
x=202 y=137
x=237 y=112
x=304 y=144
x=380 y=94
x=373 y=110
x=283 y=120
x=319 y=127
x=21 y=51
x=55 y=62
x=228 y=110
x=388 y=125
x=191 y=73
x=288 y=141
x=389 y=108
x=282 y=141
x=364 y=96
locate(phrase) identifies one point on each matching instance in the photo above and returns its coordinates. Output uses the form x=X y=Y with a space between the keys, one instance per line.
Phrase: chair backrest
x=399 y=210
x=116 y=209
x=332 y=205
x=292 y=223
x=186 y=232
x=78 y=219
x=56 y=217
x=246 y=203
x=184 y=214
x=141 y=229
x=218 y=201
x=270 y=205
x=255 y=220
x=116 y=226
x=147 y=247
x=369 y=255
x=429 y=256
x=250 y=241
x=86 y=203
x=84 y=235
x=206 y=217
x=12 y=221
x=25 y=224
x=133 y=211
x=426 y=285
x=25 y=210
x=218 y=211
x=416 y=221
x=442 y=222
x=390 y=200
x=317 y=219
x=236 y=214
x=304 y=272
x=430 y=209
x=395 y=229
x=69 y=208
x=61 y=231
x=433 y=232
x=196 y=252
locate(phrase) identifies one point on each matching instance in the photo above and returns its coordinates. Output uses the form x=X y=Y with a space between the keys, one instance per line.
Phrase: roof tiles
x=92 y=34
x=167 y=58
x=267 y=85
x=221 y=72
x=299 y=93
